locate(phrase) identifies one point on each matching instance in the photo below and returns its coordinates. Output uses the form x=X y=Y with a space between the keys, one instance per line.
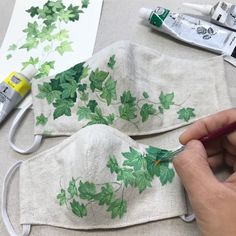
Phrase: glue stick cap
x=145 y=13
x=29 y=71
x=205 y=9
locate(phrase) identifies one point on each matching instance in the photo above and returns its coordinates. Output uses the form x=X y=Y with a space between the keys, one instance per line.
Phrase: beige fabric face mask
x=130 y=87
x=97 y=178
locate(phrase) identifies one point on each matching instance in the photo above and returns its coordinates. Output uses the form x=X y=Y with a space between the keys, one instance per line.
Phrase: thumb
x=194 y=170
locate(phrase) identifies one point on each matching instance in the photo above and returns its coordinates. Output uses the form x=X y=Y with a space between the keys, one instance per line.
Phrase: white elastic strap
x=37 y=138
x=188 y=218
x=5 y=217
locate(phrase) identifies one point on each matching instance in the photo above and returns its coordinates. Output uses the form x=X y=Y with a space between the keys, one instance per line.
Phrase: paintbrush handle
x=218 y=133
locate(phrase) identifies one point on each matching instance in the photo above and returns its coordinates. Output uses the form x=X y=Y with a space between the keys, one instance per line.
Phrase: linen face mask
x=97 y=178
x=130 y=87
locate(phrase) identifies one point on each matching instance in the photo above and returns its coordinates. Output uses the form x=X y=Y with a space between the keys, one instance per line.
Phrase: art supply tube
x=13 y=89
x=223 y=13
x=193 y=31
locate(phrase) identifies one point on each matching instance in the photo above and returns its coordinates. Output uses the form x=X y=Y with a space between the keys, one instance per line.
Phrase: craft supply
x=193 y=31
x=204 y=140
x=222 y=13
x=13 y=89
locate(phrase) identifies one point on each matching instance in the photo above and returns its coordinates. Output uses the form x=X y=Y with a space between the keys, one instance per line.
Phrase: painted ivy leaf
x=64 y=47
x=47 y=48
x=33 y=11
x=97 y=78
x=30 y=44
x=64 y=76
x=117 y=207
x=152 y=165
x=82 y=87
x=62 y=35
x=134 y=159
x=84 y=97
x=85 y=72
x=32 y=30
x=186 y=114
x=142 y=180
x=87 y=190
x=12 y=47
x=85 y=3
x=63 y=107
x=127 y=98
x=112 y=164
x=41 y=120
x=105 y=196
x=110 y=119
x=97 y=117
x=45 y=91
x=72 y=189
x=83 y=113
x=62 y=197
x=109 y=90
x=145 y=95
x=65 y=15
x=92 y=104
x=127 y=112
x=31 y=61
x=9 y=56
x=56 y=5
x=79 y=68
x=45 y=69
x=146 y=111
x=46 y=33
x=69 y=89
x=75 y=11
x=166 y=174
x=78 y=209
x=166 y=100
x=111 y=62
x=126 y=175
x=158 y=153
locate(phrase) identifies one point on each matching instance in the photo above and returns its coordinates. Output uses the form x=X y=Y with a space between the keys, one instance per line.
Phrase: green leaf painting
x=41 y=120
x=186 y=114
x=137 y=170
x=90 y=90
x=46 y=31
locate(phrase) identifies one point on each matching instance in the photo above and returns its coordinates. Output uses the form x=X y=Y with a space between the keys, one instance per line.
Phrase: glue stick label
x=18 y=83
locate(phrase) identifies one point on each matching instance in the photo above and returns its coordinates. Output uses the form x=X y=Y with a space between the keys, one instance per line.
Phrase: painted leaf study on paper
x=47 y=30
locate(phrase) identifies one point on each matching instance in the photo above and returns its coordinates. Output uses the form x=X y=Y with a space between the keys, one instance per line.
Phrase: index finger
x=208 y=125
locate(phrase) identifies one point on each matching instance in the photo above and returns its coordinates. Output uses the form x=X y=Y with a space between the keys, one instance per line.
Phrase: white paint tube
x=223 y=13
x=13 y=89
x=193 y=31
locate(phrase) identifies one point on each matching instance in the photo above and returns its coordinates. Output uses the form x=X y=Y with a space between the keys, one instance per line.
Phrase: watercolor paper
x=51 y=34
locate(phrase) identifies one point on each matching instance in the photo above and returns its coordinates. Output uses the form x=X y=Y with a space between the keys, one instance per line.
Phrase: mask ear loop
x=5 y=217
x=37 y=138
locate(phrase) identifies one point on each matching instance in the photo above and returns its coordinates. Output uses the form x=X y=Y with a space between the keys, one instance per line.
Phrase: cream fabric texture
x=144 y=92
x=84 y=156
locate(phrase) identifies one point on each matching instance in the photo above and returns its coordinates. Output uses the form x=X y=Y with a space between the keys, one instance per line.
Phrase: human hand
x=213 y=202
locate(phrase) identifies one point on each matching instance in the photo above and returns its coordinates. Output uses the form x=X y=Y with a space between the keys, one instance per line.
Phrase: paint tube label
x=158 y=16
x=18 y=83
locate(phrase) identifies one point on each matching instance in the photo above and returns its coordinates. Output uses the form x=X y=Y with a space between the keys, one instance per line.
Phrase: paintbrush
x=204 y=140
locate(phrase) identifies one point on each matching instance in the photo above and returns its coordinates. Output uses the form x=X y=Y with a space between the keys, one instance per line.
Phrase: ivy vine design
x=138 y=170
x=91 y=90
x=47 y=30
